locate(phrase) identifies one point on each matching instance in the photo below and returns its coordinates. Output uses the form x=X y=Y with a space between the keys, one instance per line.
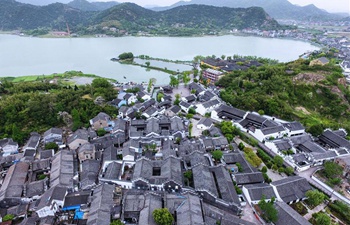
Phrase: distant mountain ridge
x=85 y=5
x=278 y=9
x=183 y=20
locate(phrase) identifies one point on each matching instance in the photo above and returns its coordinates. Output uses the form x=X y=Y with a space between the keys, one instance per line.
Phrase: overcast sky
x=329 y=5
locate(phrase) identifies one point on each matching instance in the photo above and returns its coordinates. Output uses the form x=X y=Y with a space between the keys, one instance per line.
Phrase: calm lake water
x=20 y=56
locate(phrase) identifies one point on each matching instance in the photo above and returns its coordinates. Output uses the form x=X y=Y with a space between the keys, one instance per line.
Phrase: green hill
x=191 y=19
x=15 y=15
x=184 y=20
x=278 y=9
x=318 y=96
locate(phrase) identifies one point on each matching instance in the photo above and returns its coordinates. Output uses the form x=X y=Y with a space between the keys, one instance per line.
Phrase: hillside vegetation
x=318 y=96
x=278 y=9
x=131 y=18
x=36 y=106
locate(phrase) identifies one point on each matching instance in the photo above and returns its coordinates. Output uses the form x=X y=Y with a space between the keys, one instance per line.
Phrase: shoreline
x=66 y=76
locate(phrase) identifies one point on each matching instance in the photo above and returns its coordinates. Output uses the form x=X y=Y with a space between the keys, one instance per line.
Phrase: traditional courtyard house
x=101 y=121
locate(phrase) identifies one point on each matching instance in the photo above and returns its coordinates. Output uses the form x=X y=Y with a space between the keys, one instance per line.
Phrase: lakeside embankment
x=69 y=78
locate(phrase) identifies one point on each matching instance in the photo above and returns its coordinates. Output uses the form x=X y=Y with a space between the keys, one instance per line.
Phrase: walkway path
x=314 y=210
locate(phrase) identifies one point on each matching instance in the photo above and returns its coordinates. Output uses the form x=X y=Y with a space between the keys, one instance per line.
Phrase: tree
x=177 y=99
x=162 y=216
x=239 y=166
x=315 y=197
x=160 y=96
x=192 y=110
x=323 y=219
x=188 y=174
x=289 y=171
x=316 y=130
x=101 y=132
x=281 y=170
x=241 y=146
x=278 y=160
x=174 y=81
x=147 y=64
x=270 y=213
x=217 y=155
x=190 y=129
x=186 y=78
x=264 y=169
x=51 y=145
x=8 y=217
x=332 y=170
x=116 y=222
x=76 y=120
x=126 y=56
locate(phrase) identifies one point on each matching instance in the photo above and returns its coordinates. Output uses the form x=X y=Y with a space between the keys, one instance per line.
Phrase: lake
x=21 y=56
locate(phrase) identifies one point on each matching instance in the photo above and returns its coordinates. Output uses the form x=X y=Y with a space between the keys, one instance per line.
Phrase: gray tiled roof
x=294 y=126
x=288 y=216
x=53 y=130
x=33 y=141
x=311 y=146
x=230 y=112
x=206 y=122
x=101 y=205
x=334 y=140
x=112 y=171
x=170 y=170
x=62 y=169
x=225 y=185
x=36 y=188
x=233 y=158
x=16 y=176
x=203 y=179
x=190 y=212
x=89 y=173
x=78 y=134
x=54 y=193
x=211 y=103
x=292 y=188
x=257 y=191
x=249 y=178
x=152 y=202
x=272 y=130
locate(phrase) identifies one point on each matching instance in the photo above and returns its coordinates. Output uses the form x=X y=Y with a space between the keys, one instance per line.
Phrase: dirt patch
x=303 y=110
x=309 y=78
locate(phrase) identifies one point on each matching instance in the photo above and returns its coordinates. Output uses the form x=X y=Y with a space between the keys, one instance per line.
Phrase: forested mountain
x=278 y=9
x=188 y=20
x=191 y=19
x=84 y=5
x=15 y=15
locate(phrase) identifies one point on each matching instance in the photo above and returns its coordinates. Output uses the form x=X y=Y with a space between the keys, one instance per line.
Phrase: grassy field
x=59 y=76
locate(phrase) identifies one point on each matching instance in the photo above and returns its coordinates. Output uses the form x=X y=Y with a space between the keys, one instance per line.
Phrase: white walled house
x=254 y=192
x=130 y=98
x=8 y=146
x=269 y=132
x=51 y=201
x=205 y=124
x=207 y=107
x=294 y=128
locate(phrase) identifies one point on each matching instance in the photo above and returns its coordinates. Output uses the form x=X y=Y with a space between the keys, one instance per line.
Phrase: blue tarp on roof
x=79 y=215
